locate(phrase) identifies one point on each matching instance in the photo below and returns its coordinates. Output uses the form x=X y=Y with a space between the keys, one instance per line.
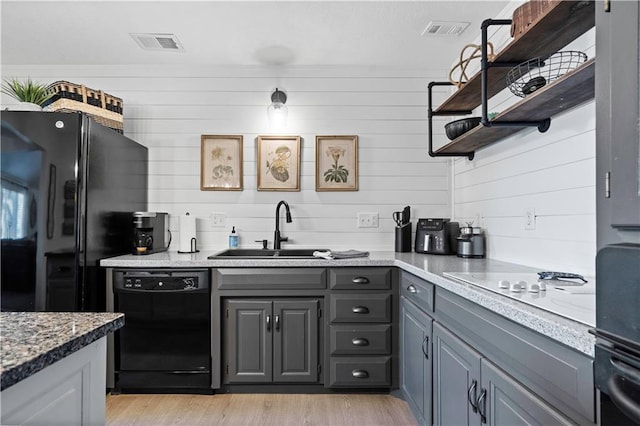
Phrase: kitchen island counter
x=32 y=341
x=555 y=324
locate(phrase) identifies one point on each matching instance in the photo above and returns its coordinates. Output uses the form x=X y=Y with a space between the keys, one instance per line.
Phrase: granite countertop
x=31 y=341
x=555 y=324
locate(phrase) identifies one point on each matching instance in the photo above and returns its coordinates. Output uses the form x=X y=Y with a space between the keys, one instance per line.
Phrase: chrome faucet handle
x=264 y=243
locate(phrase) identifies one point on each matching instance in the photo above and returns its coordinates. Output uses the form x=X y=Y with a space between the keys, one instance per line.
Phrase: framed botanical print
x=221 y=163
x=337 y=163
x=278 y=163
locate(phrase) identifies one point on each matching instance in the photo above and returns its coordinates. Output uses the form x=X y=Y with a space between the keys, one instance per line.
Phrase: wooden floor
x=258 y=409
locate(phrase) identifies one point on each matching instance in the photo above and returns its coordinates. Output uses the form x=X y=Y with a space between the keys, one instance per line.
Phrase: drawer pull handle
x=360 y=310
x=412 y=289
x=360 y=280
x=360 y=374
x=360 y=341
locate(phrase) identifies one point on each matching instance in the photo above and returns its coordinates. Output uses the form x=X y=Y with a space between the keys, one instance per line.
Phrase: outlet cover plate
x=367 y=220
x=530 y=219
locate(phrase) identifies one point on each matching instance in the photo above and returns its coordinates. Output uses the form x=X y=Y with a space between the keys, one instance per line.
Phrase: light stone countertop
x=555 y=325
x=31 y=341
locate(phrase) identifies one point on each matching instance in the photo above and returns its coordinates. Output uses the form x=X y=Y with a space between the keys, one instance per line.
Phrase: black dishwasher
x=164 y=345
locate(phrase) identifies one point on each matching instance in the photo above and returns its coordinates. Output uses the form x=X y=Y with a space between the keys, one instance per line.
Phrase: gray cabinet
x=415 y=359
x=507 y=402
x=617 y=122
x=361 y=334
x=456 y=372
x=271 y=341
x=538 y=378
x=470 y=390
x=416 y=354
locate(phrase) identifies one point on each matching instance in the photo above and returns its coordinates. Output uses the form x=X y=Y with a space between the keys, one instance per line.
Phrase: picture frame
x=336 y=163
x=221 y=163
x=278 y=163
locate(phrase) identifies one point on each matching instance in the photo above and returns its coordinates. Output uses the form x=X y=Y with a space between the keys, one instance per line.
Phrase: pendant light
x=277 y=111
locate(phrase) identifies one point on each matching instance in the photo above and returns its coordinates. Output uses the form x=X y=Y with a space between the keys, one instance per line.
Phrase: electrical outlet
x=530 y=218
x=367 y=220
x=218 y=220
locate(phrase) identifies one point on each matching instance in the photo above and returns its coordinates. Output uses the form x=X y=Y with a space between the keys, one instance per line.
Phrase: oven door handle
x=626 y=369
x=620 y=392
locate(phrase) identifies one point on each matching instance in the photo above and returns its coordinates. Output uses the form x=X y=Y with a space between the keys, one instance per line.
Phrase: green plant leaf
x=29 y=91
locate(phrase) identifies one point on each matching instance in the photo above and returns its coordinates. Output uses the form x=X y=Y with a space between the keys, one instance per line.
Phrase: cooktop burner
x=569 y=299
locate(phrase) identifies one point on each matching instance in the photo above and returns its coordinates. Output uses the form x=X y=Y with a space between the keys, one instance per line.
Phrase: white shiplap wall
x=168 y=109
x=552 y=173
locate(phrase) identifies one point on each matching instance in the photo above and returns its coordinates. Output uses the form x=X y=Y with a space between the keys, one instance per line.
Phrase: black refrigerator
x=69 y=188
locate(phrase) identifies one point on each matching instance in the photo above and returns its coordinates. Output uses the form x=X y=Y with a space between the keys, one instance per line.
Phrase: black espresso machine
x=151 y=232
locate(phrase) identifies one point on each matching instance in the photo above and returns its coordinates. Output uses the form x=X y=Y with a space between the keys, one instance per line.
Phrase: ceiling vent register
x=167 y=42
x=444 y=28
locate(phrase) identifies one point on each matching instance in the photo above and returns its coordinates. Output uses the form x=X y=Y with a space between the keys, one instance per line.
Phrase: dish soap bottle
x=233 y=238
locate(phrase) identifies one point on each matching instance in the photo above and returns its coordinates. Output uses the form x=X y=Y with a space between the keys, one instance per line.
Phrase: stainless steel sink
x=266 y=254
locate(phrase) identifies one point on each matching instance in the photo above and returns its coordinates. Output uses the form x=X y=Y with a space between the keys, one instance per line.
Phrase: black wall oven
x=164 y=345
x=617 y=361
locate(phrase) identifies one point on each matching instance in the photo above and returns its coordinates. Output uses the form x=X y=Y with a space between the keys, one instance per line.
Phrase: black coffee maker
x=150 y=232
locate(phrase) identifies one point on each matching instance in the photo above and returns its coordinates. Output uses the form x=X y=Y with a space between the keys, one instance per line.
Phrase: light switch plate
x=218 y=220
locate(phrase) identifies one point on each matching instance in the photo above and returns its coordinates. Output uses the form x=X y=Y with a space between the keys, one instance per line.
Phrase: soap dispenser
x=233 y=238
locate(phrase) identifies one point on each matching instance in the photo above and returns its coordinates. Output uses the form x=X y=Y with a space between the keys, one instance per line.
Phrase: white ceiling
x=231 y=33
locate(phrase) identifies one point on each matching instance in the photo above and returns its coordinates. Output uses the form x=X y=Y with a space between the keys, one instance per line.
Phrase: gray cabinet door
x=247 y=341
x=617 y=120
x=415 y=341
x=456 y=377
x=295 y=341
x=507 y=403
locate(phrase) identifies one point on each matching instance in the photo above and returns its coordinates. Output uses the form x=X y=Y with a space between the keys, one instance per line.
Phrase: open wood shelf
x=564 y=93
x=563 y=23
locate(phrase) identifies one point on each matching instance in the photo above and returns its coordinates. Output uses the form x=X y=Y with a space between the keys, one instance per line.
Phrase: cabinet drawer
x=360 y=278
x=360 y=340
x=417 y=290
x=364 y=372
x=360 y=308
x=269 y=278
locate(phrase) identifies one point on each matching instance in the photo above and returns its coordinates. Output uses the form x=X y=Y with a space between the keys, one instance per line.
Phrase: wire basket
x=529 y=76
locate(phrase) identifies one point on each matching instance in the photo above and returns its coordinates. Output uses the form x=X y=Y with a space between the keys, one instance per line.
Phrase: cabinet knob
x=360 y=374
x=412 y=289
x=360 y=280
x=360 y=310
x=360 y=341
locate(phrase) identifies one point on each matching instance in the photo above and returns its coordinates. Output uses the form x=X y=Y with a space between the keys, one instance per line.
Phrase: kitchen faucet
x=277 y=239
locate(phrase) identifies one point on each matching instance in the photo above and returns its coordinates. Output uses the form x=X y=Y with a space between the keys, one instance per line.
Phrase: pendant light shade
x=277 y=112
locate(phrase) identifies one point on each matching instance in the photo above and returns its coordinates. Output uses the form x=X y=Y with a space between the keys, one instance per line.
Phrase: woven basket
x=102 y=107
x=529 y=13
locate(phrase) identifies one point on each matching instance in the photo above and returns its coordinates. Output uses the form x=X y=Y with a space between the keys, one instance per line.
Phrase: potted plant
x=31 y=94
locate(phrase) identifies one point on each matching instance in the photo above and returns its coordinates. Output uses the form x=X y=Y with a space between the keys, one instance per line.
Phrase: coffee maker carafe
x=150 y=232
